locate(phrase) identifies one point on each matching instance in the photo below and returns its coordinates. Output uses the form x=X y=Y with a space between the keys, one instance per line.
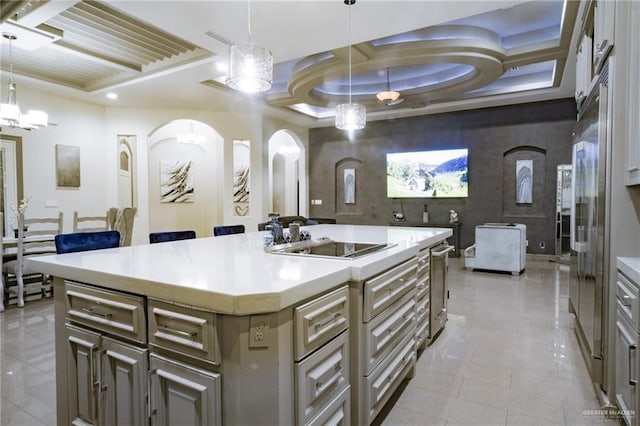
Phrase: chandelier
x=250 y=67
x=350 y=116
x=10 y=114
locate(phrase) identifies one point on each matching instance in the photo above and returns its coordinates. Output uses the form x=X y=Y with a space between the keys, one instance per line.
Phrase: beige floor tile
x=507 y=356
x=12 y=415
x=519 y=419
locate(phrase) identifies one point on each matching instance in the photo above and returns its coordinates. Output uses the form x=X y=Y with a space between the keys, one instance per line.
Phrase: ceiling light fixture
x=389 y=97
x=250 y=67
x=350 y=116
x=10 y=114
x=191 y=137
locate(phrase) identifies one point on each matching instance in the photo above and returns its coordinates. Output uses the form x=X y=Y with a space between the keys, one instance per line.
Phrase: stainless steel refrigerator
x=588 y=264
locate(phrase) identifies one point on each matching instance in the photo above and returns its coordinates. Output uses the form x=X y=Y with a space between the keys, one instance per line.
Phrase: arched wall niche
x=127 y=173
x=287 y=180
x=185 y=177
x=534 y=159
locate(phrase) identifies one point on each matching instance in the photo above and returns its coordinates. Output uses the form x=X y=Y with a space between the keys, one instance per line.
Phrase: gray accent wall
x=496 y=138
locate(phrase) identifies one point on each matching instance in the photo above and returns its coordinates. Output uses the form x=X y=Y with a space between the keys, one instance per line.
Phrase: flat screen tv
x=428 y=174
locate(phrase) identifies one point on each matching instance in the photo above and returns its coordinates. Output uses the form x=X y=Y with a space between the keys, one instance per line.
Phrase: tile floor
x=507 y=356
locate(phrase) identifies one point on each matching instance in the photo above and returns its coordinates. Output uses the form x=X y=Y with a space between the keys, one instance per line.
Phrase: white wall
x=79 y=124
x=95 y=128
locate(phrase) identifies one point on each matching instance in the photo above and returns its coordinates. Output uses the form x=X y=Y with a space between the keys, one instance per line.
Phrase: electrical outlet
x=259 y=331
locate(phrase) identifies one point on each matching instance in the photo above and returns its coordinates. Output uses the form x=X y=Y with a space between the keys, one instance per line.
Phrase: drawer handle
x=403 y=364
x=90 y=311
x=334 y=378
x=626 y=300
x=327 y=321
x=168 y=329
x=632 y=382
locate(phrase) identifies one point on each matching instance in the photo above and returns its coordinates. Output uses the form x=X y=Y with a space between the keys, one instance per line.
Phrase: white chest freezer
x=498 y=247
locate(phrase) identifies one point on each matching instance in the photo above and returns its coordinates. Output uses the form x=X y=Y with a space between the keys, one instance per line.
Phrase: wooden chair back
x=90 y=223
x=35 y=235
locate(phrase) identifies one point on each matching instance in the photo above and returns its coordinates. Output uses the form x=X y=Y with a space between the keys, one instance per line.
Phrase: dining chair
x=121 y=220
x=86 y=241
x=90 y=223
x=161 y=237
x=227 y=230
x=35 y=237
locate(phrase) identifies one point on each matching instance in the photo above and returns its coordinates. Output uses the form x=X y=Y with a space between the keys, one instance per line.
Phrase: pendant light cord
x=249 y=20
x=350 y=52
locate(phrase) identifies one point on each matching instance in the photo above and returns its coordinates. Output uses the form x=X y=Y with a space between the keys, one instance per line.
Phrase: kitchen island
x=216 y=330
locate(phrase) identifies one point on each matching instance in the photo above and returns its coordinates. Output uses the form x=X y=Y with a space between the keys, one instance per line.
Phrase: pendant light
x=10 y=114
x=250 y=67
x=350 y=116
x=389 y=97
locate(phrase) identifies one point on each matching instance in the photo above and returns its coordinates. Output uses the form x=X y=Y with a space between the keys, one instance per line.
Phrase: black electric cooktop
x=325 y=247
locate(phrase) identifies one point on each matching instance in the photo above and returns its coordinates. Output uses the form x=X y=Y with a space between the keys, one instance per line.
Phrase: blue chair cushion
x=85 y=241
x=229 y=229
x=161 y=237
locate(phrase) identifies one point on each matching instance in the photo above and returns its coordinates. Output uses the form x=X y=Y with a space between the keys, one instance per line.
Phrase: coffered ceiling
x=440 y=55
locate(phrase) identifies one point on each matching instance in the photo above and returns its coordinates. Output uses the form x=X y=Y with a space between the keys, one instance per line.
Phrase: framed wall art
x=241 y=177
x=68 y=166
x=176 y=181
x=524 y=181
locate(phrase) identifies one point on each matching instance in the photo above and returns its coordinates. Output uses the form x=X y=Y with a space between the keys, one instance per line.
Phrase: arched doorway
x=185 y=171
x=288 y=187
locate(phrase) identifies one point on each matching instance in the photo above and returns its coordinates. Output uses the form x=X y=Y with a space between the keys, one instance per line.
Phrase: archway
x=185 y=170
x=288 y=186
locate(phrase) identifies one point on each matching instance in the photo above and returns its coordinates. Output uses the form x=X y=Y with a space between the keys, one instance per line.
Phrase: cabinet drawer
x=422 y=310
x=338 y=412
x=116 y=313
x=185 y=330
x=321 y=377
x=422 y=333
x=423 y=287
x=385 y=331
x=627 y=296
x=423 y=262
x=380 y=384
x=319 y=320
x=381 y=291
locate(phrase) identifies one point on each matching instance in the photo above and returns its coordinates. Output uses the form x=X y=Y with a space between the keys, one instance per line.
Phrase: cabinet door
x=603 y=31
x=626 y=367
x=633 y=105
x=183 y=395
x=83 y=353
x=124 y=384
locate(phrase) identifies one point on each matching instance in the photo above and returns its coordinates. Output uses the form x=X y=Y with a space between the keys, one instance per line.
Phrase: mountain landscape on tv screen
x=430 y=174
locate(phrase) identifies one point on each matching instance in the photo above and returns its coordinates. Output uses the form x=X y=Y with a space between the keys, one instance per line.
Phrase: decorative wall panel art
x=68 y=166
x=241 y=177
x=176 y=181
x=524 y=181
x=349 y=186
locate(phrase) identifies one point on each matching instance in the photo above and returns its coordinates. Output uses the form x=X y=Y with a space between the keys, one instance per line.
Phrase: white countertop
x=630 y=266
x=232 y=274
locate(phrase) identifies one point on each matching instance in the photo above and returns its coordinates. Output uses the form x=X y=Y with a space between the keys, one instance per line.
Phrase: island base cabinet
x=181 y=394
x=107 y=380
